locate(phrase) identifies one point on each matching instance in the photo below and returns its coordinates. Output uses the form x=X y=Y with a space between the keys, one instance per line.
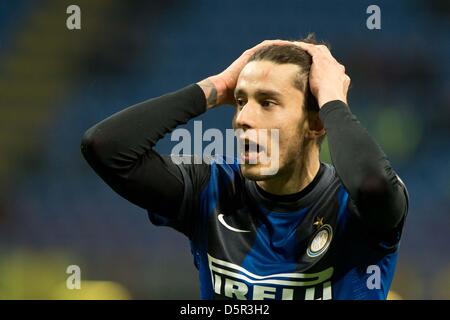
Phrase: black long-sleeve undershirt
x=363 y=168
x=120 y=150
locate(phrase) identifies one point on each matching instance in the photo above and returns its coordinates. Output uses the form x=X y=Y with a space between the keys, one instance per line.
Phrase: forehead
x=268 y=75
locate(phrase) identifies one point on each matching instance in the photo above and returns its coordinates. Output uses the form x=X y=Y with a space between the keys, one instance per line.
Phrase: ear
x=315 y=128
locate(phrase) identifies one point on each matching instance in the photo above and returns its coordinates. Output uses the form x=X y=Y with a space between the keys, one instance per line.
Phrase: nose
x=245 y=118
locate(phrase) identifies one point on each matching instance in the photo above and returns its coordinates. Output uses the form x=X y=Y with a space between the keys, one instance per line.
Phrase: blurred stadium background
x=55 y=83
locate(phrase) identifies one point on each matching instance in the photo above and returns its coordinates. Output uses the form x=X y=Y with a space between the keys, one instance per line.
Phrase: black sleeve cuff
x=332 y=106
x=198 y=97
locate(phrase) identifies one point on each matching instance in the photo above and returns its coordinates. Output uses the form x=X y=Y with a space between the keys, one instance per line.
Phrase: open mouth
x=251 y=151
x=251 y=146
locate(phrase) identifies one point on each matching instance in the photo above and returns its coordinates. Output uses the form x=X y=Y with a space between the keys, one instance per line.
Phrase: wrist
x=322 y=100
x=215 y=91
x=221 y=89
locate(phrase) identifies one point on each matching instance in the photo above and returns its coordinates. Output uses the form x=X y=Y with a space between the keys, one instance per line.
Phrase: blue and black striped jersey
x=248 y=246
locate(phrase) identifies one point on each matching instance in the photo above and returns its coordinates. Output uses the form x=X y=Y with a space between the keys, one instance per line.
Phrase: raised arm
x=362 y=166
x=120 y=148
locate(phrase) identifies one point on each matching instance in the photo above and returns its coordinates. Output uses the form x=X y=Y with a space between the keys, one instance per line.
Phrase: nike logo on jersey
x=226 y=225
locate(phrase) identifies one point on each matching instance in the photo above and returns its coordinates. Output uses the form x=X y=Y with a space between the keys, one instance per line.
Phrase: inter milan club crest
x=321 y=239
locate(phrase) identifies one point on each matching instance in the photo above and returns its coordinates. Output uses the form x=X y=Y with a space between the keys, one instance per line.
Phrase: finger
x=347 y=79
x=324 y=49
x=260 y=45
x=308 y=47
x=347 y=82
x=272 y=42
x=315 y=50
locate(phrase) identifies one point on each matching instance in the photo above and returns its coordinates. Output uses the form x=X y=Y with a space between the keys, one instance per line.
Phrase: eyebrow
x=260 y=93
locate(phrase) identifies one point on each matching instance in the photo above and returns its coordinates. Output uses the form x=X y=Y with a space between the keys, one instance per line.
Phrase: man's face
x=267 y=98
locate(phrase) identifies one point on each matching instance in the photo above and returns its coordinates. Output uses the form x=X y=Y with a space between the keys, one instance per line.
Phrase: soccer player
x=308 y=231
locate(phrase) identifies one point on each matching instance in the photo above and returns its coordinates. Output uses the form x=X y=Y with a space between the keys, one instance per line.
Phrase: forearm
x=120 y=148
x=363 y=168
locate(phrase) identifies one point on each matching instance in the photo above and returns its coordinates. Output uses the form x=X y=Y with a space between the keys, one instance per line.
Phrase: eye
x=267 y=103
x=240 y=102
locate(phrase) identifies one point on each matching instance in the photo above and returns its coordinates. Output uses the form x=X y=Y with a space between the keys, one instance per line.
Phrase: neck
x=296 y=178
